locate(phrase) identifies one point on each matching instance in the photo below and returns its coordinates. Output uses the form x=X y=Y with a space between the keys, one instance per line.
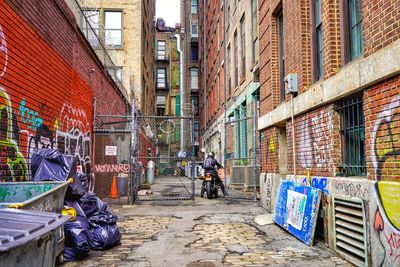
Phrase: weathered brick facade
x=49 y=77
x=347 y=120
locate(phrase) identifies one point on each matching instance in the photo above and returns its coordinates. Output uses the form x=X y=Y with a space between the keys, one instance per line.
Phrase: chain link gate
x=113 y=170
x=163 y=158
x=242 y=159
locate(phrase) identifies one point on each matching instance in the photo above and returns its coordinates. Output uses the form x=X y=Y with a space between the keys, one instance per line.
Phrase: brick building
x=229 y=78
x=190 y=24
x=167 y=70
x=346 y=132
x=126 y=30
x=49 y=77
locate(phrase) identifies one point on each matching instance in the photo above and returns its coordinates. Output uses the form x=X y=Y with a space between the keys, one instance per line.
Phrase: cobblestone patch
x=244 y=245
x=134 y=231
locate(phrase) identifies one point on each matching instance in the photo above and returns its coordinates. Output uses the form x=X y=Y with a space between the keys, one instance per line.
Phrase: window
x=235 y=55
x=113 y=28
x=196 y=131
x=195 y=7
x=161 y=78
x=194 y=52
x=194 y=78
x=160 y=105
x=355 y=28
x=161 y=50
x=195 y=101
x=318 y=52
x=281 y=57
x=90 y=26
x=352 y=135
x=243 y=40
x=254 y=30
x=194 y=28
x=116 y=73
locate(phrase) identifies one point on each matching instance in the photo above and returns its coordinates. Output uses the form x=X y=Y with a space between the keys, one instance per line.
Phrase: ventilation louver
x=350 y=230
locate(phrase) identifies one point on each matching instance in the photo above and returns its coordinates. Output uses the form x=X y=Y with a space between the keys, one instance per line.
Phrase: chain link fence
x=242 y=166
x=164 y=158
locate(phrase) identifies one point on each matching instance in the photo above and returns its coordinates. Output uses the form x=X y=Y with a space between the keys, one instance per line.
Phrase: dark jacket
x=210 y=164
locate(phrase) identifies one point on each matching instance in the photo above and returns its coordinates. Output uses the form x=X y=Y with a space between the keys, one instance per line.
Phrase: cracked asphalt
x=217 y=232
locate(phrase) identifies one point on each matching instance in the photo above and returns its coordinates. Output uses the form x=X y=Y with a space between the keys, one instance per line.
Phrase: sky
x=169 y=10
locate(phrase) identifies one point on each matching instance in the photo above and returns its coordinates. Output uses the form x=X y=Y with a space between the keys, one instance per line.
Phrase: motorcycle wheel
x=216 y=192
x=208 y=190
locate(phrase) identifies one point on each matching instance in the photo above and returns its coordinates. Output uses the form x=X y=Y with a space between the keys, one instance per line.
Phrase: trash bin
x=122 y=185
x=27 y=238
x=40 y=196
x=150 y=172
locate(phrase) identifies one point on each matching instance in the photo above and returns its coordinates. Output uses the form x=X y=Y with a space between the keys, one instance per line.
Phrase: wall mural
x=386 y=213
x=30 y=123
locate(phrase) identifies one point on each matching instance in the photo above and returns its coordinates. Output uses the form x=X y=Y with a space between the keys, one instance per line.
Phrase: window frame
x=158 y=50
x=165 y=77
x=196 y=6
x=236 y=58
x=105 y=11
x=281 y=55
x=254 y=30
x=194 y=70
x=243 y=46
x=350 y=152
x=317 y=48
x=87 y=26
x=345 y=33
x=192 y=46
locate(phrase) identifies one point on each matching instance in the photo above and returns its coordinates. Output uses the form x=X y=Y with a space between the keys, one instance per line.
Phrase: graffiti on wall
x=26 y=125
x=385 y=152
x=316 y=142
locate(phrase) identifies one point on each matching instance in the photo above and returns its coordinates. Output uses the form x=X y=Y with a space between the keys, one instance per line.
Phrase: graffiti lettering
x=350 y=189
x=32 y=117
x=320 y=183
x=3 y=53
x=315 y=141
x=393 y=241
x=107 y=168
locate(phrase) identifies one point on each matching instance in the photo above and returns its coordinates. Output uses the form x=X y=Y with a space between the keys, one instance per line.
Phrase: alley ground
x=218 y=232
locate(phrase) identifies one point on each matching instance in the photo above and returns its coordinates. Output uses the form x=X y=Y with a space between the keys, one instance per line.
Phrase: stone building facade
x=126 y=30
x=346 y=134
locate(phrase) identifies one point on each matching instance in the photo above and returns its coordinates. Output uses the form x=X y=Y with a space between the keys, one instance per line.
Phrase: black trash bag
x=77 y=234
x=83 y=179
x=91 y=204
x=104 y=230
x=49 y=165
x=77 y=239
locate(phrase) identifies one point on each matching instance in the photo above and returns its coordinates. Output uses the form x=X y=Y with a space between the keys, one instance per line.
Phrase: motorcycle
x=210 y=185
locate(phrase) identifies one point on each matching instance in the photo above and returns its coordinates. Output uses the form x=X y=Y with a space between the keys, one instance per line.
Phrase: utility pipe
x=178 y=47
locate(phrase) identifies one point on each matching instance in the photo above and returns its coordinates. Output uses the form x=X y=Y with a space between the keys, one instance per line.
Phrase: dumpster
x=27 y=238
x=40 y=196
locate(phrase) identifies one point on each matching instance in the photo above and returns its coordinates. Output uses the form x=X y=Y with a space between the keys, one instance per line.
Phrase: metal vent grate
x=350 y=231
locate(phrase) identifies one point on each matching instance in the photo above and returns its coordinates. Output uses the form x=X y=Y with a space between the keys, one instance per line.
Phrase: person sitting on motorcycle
x=209 y=164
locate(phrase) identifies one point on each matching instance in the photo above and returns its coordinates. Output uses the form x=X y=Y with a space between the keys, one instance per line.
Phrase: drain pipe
x=205 y=65
x=178 y=47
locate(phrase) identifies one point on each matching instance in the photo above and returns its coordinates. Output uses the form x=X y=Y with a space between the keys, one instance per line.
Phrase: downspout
x=178 y=47
x=205 y=64
x=226 y=68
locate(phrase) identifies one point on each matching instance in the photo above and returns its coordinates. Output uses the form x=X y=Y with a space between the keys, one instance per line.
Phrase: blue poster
x=296 y=209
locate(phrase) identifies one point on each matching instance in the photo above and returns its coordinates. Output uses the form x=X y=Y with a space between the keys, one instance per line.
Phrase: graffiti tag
x=107 y=168
x=3 y=53
x=32 y=118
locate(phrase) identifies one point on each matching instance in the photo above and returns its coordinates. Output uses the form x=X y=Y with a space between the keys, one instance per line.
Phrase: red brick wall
x=382 y=130
x=269 y=151
x=48 y=78
x=317 y=142
x=214 y=56
x=380 y=24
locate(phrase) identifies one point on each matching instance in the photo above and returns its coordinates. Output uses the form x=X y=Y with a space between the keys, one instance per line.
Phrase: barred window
x=352 y=133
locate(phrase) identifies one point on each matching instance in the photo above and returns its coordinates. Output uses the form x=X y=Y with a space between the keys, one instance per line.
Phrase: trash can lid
x=18 y=227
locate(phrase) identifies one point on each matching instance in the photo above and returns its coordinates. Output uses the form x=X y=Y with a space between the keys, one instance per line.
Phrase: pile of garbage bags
x=94 y=227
